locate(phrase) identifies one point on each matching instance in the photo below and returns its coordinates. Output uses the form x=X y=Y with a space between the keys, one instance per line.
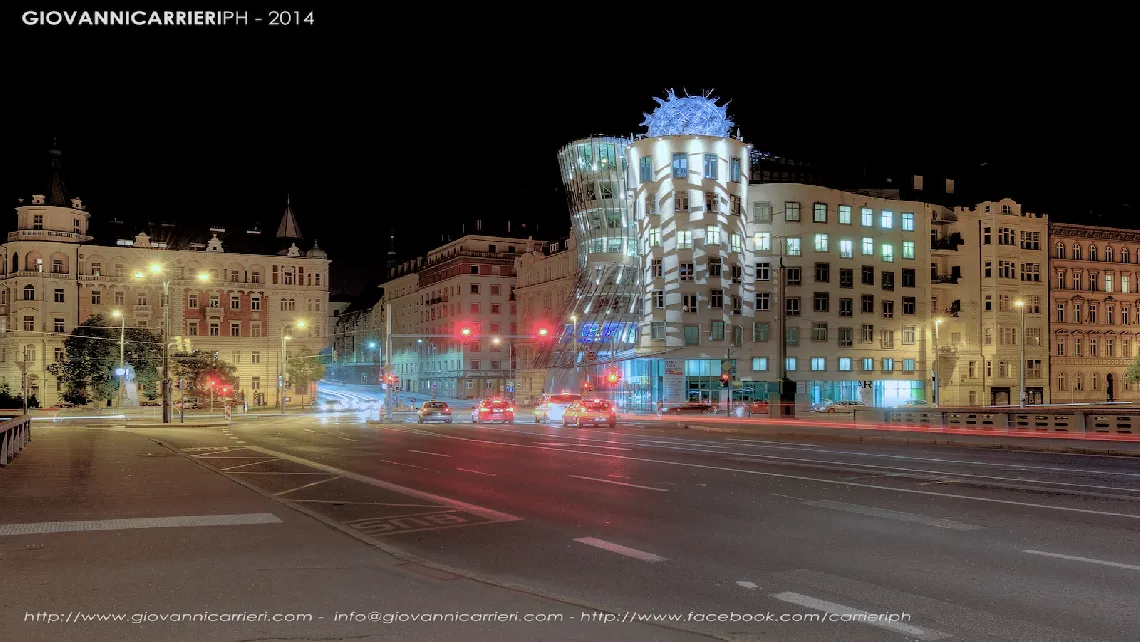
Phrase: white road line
x=396 y=463
x=562 y=444
x=344 y=438
x=1131 y=567
x=307 y=430
x=778 y=443
x=306 y=485
x=747 y=585
x=424 y=452
x=240 y=441
x=246 y=472
x=618 y=476
x=138 y=522
x=485 y=513
x=466 y=470
x=860 y=616
x=746 y=471
x=263 y=461
x=234 y=438
x=896 y=515
x=337 y=501
x=620 y=550
x=610 y=481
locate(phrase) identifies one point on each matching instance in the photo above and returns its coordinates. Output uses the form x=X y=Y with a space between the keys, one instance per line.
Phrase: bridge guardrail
x=15 y=434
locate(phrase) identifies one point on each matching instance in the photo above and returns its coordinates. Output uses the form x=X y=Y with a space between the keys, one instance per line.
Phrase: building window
x=888 y=309
x=908 y=365
x=821 y=302
x=712 y=203
x=908 y=221
x=888 y=253
x=845 y=307
x=888 y=364
x=845 y=364
x=793 y=275
x=868 y=246
x=255 y=329
x=868 y=275
x=235 y=302
x=716 y=299
x=58 y=325
x=844 y=214
x=680 y=165
x=887 y=219
x=711 y=167
x=908 y=249
x=909 y=305
x=761 y=212
x=888 y=280
x=657 y=328
x=646 y=165
x=763 y=301
x=819 y=331
x=791 y=211
x=792 y=306
x=96 y=297
x=908 y=335
x=846 y=249
x=845 y=337
x=868 y=216
x=908 y=277
x=716 y=332
x=790 y=364
x=820 y=242
x=759 y=331
x=192 y=327
x=736 y=243
x=655 y=269
x=496 y=308
x=29 y=324
x=762 y=242
x=887 y=339
x=759 y=364
x=58 y=295
x=686 y=271
x=792 y=246
x=818 y=364
x=692 y=335
x=255 y=303
x=215 y=329
x=868 y=364
x=867 y=304
x=867 y=333
x=734 y=170
x=235 y=329
x=684 y=239
x=712 y=235
x=29 y=292
x=819 y=213
x=255 y=357
x=846 y=278
x=659 y=299
x=822 y=272
x=763 y=271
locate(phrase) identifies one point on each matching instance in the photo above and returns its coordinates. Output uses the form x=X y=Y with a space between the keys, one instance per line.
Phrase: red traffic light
x=725 y=376
x=465 y=332
x=543 y=332
x=613 y=375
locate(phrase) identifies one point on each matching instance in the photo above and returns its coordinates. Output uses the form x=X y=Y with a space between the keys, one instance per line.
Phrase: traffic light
x=543 y=332
x=613 y=376
x=725 y=378
x=465 y=332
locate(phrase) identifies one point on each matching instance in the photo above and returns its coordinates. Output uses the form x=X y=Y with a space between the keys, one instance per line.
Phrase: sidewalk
x=231 y=551
x=825 y=429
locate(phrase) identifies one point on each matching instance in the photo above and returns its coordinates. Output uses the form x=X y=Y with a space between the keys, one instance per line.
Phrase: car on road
x=434 y=411
x=590 y=411
x=149 y=402
x=757 y=407
x=552 y=407
x=832 y=407
x=690 y=408
x=491 y=410
x=916 y=403
x=333 y=405
x=190 y=404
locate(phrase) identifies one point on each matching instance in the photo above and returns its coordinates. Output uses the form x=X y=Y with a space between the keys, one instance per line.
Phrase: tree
x=1133 y=374
x=91 y=356
x=303 y=371
x=198 y=369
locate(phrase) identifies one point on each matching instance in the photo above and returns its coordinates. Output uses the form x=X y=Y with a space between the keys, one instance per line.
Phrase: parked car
x=191 y=404
x=590 y=411
x=839 y=406
x=690 y=408
x=149 y=402
x=757 y=407
x=919 y=403
x=552 y=407
x=495 y=409
x=434 y=411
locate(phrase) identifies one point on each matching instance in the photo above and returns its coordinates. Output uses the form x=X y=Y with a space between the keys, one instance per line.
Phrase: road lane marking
x=307 y=430
x=466 y=470
x=138 y=522
x=858 y=615
x=247 y=472
x=263 y=461
x=618 y=476
x=778 y=443
x=562 y=445
x=240 y=441
x=912 y=491
x=896 y=515
x=620 y=550
x=486 y=513
x=424 y=452
x=338 y=501
x=306 y=485
x=344 y=438
x=747 y=585
x=610 y=481
x=1090 y=560
x=396 y=463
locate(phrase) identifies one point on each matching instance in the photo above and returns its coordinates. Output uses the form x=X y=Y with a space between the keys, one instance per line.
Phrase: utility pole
x=386 y=370
x=1021 y=305
x=937 y=397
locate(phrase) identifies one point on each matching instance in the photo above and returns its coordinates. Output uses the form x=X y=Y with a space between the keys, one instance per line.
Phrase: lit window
x=845 y=364
x=908 y=221
x=846 y=249
x=888 y=364
x=680 y=165
x=868 y=364
x=685 y=239
x=759 y=364
x=908 y=365
x=868 y=246
x=819 y=213
x=763 y=242
x=736 y=243
x=908 y=249
x=790 y=364
x=712 y=235
x=792 y=247
x=888 y=253
x=818 y=364
x=646 y=169
x=734 y=170
x=820 y=242
x=791 y=211
x=844 y=214
x=711 y=167
x=887 y=219
x=868 y=217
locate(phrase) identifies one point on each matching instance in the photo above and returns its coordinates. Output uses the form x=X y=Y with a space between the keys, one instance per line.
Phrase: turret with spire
x=288 y=228
x=52 y=211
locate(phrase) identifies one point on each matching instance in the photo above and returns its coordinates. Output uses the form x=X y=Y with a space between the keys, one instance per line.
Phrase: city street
x=971 y=543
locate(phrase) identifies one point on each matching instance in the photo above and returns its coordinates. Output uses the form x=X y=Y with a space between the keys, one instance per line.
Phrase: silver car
x=552 y=407
x=434 y=411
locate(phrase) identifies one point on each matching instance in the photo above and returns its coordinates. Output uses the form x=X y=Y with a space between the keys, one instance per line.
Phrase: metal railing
x=15 y=433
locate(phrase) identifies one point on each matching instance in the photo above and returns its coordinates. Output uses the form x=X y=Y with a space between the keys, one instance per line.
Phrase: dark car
x=491 y=410
x=590 y=411
x=691 y=408
x=434 y=411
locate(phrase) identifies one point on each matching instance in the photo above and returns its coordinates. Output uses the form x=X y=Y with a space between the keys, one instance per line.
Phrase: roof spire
x=288 y=228
x=57 y=194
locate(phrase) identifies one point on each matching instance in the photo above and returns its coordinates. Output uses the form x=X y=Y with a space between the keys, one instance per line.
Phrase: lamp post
x=281 y=355
x=157 y=270
x=510 y=356
x=1021 y=306
x=122 y=365
x=937 y=355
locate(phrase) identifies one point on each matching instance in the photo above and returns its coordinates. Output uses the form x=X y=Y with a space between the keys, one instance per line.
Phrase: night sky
x=367 y=134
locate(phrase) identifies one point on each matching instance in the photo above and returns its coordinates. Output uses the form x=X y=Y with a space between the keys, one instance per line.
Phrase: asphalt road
x=967 y=543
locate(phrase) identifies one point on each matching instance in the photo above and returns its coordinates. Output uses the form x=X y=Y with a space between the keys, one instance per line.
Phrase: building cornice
x=1070 y=230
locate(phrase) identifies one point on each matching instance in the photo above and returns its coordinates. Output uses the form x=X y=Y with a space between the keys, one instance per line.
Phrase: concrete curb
x=470 y=575
x=941 y=440
x=208 y=424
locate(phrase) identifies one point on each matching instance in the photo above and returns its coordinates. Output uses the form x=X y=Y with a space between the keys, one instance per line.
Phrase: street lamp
x=510 y=357
x=122 y=371
x=158 y=271
x=937 y=355
x=281 y=363
x=1021 y=306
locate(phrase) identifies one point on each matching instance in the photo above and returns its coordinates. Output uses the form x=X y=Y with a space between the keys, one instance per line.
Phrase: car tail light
x=447 y=411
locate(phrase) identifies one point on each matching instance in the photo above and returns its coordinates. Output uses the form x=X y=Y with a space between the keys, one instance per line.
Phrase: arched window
x=1123 y=255
x=1108 y=254
x=1060 y=381
x=29 y=292
x=1076 y=252
x=1092 y=252
x=15 y=262
x=1060 y=249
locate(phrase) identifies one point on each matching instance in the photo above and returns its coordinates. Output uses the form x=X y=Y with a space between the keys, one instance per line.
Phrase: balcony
x=57 y=275
x=142 y=309
x=949 y=243
x=945 y=278
x=26 y=235
x=948 y=350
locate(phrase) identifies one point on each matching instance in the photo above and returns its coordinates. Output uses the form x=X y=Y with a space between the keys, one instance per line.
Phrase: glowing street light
x=121 y=371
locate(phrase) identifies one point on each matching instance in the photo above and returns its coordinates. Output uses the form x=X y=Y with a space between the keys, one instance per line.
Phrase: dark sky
x=369 y=132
